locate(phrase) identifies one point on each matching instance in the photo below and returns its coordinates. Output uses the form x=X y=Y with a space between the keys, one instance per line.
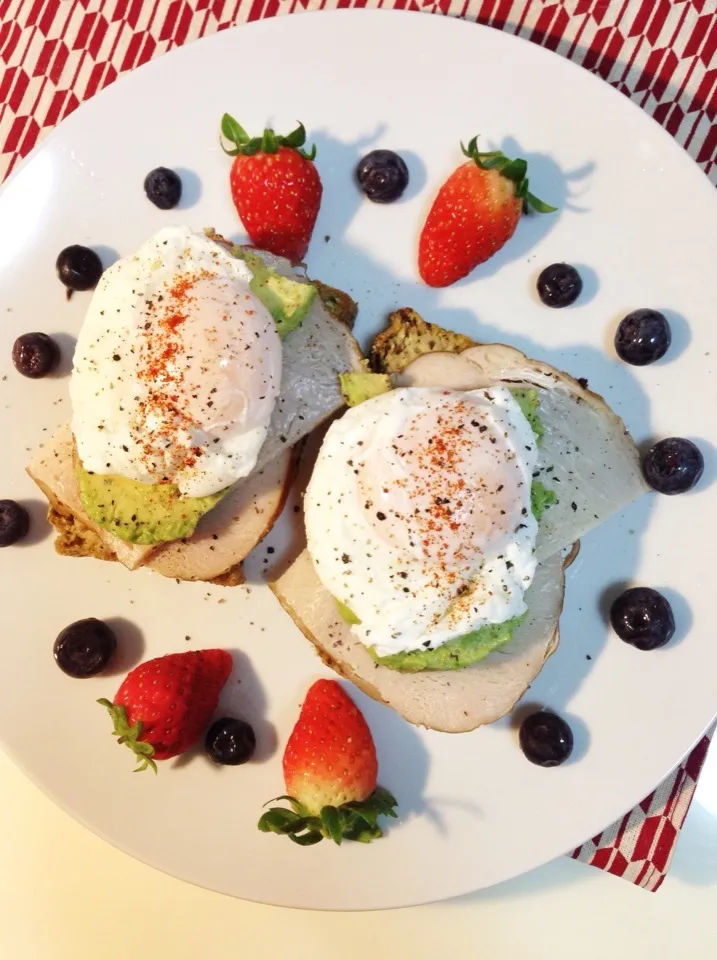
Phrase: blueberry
x=14 y=522
x=546 y=739
x=642 y=337
x=35 y=355
x=163 y=187
x=559 y=285
x=642 y=617
x=85 y=648
x=78 y=267
x=382 y=175
x=674 y=465
x=230 y=741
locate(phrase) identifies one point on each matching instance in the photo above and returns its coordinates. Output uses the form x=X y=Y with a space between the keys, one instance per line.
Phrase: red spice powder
x=161 y=371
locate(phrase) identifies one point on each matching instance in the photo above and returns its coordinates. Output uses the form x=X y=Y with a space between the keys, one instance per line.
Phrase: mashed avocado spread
x=528 y=400
x=288 y=301
x=360 y=385
x=454 y=654
x=474 y=646
x=141 y=512
x=540 y=499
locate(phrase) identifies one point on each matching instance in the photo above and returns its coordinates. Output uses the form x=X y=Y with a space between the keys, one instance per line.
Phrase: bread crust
x=407 y=337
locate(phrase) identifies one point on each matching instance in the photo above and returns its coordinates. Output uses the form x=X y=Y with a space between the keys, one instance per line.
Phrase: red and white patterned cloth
x=661 y=53
x=640 y=846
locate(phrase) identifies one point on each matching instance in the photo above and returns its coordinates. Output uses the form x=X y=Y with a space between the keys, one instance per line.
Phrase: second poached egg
x=418 y=514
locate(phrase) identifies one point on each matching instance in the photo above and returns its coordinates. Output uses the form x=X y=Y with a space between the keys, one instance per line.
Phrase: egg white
x=418 y=514
x=177 y=367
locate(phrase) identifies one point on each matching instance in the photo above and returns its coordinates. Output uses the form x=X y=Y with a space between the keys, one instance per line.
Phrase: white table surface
x=67 y=895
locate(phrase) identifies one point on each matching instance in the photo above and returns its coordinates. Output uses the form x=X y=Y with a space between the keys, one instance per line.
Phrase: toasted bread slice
x=407 y=337
x=74 y=539
x=338 y=304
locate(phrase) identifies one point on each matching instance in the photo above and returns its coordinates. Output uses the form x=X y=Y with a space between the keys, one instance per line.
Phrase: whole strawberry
x=330 y=771
x=163 y=706
x=275 y=187
x=476 y=211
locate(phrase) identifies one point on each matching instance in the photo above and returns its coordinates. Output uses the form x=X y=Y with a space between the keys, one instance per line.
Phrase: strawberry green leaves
x=268 y=142
x=513 y=170
x=234 y=131
x=297 y=138
x=130 y=735
x=356 y=821
x=302 y=830
x=332 y=824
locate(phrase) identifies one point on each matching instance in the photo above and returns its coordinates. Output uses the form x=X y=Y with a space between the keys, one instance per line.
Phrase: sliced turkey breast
x=453 y=701
x=232 y=529
x=222 y=540
x=586 y=457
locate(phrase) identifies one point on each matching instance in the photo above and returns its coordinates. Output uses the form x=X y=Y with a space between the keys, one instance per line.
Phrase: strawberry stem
x=130 y=735
x=357 y=821
x=513 y=170
x=268 y=142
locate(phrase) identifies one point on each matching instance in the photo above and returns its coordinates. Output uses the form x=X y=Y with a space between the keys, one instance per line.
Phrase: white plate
x=635 y=213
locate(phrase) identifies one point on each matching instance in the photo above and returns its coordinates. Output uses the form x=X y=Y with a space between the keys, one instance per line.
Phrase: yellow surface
x=66 y=895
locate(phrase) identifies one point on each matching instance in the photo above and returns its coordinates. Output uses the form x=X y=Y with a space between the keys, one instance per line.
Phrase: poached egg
x=177 y=367
x=418 y=514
